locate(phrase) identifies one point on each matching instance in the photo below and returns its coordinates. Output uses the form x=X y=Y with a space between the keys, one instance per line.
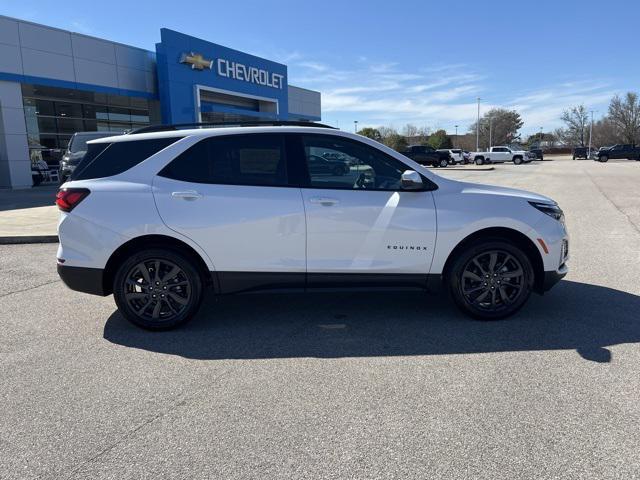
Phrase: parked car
x=162 y=218
x=501 y=154
x=330 y=166
x=536 y=153
x=581 y=152
x=426 y=155
x=455 y=155
x=75 y=152
x=628 y=151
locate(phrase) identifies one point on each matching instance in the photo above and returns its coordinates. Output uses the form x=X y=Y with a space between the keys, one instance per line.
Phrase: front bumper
x=83 y=279
x=551 y=278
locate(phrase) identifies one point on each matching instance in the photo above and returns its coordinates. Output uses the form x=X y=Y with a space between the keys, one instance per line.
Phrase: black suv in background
x=537 y=153
x=581 y=152
x=426 y=155
x=628 y=151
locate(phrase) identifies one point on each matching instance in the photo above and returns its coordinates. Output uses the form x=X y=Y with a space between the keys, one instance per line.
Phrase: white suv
x=157 y=218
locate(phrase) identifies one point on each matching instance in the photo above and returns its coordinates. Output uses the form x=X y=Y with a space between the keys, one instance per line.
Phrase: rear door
x=362 y=222
x=231 y=195
x=500 y=154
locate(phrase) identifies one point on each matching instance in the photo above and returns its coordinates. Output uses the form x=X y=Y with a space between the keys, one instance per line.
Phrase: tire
x=517 y=160
x=135 y=296
x=490 y=293
x=444 y=162
x=479 y=161
x=574 y=157
x=603 y=158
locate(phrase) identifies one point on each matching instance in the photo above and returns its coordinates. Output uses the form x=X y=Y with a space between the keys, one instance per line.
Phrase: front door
x=362 y=222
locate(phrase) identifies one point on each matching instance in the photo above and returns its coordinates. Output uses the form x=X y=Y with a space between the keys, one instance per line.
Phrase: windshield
x=78 y=143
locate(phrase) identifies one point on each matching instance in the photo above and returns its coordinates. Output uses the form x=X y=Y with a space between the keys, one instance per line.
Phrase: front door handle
x=189 y=195
x=326 y=201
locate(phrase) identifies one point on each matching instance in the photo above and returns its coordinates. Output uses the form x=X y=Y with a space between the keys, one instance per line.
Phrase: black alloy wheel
x=158 y=289
x=491 y=280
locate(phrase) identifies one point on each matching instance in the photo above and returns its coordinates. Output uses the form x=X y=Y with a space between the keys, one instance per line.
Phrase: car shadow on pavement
x=577 y=316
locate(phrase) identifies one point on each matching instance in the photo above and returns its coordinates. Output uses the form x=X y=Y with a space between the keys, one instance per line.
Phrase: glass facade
x=53 y=115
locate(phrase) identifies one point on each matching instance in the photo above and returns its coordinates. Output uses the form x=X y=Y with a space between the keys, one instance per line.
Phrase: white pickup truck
x=500 y=155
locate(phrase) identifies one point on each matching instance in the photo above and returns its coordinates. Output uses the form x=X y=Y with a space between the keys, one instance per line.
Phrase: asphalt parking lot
x=349 y=385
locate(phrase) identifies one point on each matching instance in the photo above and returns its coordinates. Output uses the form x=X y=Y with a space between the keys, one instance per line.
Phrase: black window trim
x=429 y=185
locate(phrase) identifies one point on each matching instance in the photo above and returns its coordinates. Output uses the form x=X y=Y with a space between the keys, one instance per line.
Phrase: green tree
x=440 y=139
x=396 y=141
x=372 y=133
x=499 y=127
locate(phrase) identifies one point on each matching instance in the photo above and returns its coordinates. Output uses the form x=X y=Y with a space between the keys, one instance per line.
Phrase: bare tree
x=624 y=113
x=416 y=135
x=605 y=133
x=576 y=131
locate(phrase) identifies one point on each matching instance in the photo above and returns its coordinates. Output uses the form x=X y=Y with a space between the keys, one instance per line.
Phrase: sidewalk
x=28 y=216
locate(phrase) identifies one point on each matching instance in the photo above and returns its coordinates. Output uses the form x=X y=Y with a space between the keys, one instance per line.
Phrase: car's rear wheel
x=158 y=289
x=444 y=162
x=492 y=279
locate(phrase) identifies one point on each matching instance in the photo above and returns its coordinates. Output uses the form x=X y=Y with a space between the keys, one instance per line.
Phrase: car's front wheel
x=479 y=161
x=158 y=289
x=517 y=160
x=491 y=279
x=604 y=158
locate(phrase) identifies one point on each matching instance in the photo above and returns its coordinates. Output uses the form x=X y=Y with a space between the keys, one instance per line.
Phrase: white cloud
x=384 y=93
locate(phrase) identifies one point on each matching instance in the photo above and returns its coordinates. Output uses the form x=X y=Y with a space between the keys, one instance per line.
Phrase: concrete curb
x=465 y=169
x=25 y=239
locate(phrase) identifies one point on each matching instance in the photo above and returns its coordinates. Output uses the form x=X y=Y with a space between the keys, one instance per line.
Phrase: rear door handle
x=326 y=201
x=189 y=195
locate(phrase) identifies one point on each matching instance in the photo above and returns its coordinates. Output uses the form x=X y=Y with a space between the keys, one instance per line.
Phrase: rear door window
x=257 y=159
x=118 y=157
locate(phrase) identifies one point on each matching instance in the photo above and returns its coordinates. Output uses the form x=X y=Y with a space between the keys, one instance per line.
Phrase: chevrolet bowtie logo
x=196 y=60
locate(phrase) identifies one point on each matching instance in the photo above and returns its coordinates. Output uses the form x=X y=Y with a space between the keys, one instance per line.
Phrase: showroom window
x=53 y=115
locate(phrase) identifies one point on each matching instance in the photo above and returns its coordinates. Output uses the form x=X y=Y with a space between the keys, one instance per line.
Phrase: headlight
x=552 y=210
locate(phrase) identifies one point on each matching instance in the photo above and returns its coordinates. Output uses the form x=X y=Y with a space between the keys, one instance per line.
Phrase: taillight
x=68 y=198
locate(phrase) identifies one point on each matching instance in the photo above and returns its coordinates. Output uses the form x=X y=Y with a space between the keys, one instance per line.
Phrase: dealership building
x=54 y=83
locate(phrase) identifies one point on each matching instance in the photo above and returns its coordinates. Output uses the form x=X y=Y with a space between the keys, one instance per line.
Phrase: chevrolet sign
x=235 y=70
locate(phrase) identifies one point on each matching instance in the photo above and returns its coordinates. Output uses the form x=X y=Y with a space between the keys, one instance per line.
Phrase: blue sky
x=392 y=63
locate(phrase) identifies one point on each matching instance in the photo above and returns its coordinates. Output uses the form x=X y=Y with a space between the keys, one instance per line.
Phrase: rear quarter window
x=109 y=159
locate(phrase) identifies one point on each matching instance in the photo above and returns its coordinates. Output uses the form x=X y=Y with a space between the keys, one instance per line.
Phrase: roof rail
x=257 y=123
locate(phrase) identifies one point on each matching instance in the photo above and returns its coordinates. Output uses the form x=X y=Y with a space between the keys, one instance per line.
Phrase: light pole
x=590 y=133
x=355 y=128
x=490 y=132
x=456 y=134
x=541 y=137
x=478 y=128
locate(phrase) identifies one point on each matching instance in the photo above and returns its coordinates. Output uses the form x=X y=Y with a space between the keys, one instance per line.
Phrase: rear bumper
x=83 y=279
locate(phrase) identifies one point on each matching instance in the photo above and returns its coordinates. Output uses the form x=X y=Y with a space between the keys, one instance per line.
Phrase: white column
x=15 y=165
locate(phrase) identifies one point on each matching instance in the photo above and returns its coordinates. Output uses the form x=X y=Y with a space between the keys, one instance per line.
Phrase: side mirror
x=411 y=180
